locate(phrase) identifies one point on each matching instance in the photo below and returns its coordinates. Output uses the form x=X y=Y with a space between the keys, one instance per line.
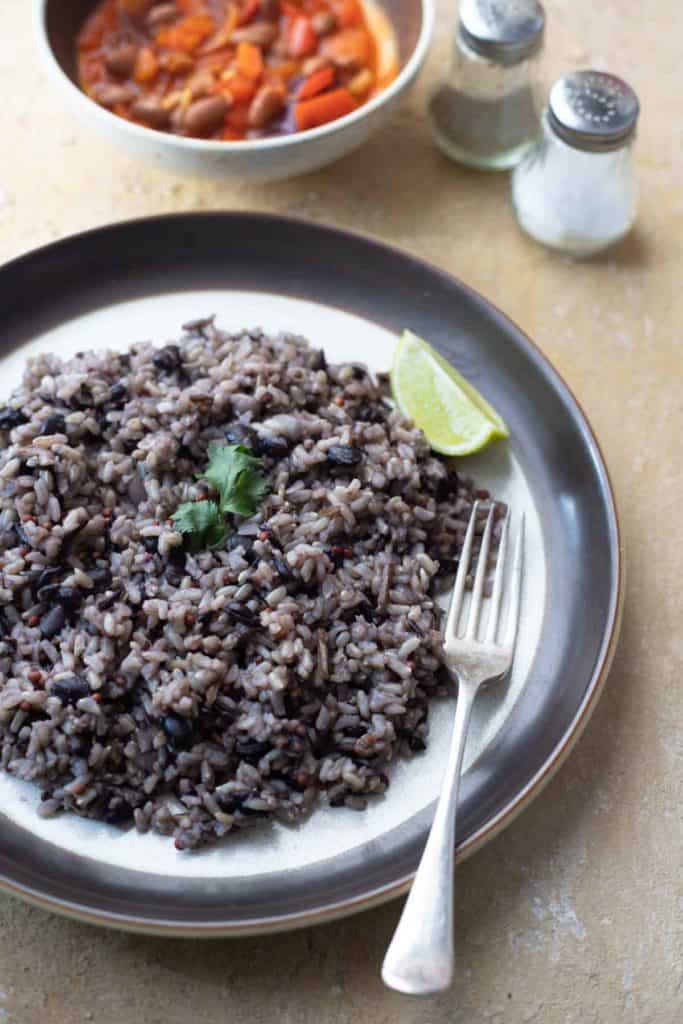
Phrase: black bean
x=242 y=613
x=418 y=701
x=415 y=743
x=49 y=575
x=447 y=486
x=355 y=730
x=101 y=577
x=240 y=433
x=52 y=622
x=178 y=730
x=249 y=812
x=359 y=372
x=10 y=418
x=118 y=394
x=22 y=535
x=167 y=359
x=4 y=625
x=252 y=748
x=150 y=544
x=227 y=802
x=371 y=413
x=70 y=689
x=369 y=612
x=54 y=424
x=174 y=578
x=46 y=594
x=337 y=796
x=118 y=814
x=266 y=533
x=447 y=566
x=106 y=601
x=70 y=598
x=199 y=325
x=129 y=444
x=349 y=614
x=336 y=555
x=319 y=361
x=82 y=398
x=79 y=745
x=274 y=447
x=344 y=455
x=176 y=556
x=239 y=540
x=282 y=569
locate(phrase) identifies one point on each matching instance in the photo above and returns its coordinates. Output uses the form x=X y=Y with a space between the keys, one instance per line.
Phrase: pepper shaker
x=487 y=113
x=576 y=190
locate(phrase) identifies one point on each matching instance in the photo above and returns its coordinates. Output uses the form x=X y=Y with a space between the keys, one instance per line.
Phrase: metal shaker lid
x=592 y=110
x=505 y=31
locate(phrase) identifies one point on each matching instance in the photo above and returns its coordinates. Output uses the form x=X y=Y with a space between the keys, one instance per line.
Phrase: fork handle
x=419 y=960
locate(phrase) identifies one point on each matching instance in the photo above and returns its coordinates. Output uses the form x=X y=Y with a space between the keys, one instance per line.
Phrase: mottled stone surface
x=572 y=916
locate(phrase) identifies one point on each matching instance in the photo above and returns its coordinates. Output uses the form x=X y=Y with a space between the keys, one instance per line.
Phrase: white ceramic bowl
x=57 y=22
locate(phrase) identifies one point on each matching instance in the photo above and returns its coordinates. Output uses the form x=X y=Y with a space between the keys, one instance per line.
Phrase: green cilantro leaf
x=234 y=472
x=203 y=520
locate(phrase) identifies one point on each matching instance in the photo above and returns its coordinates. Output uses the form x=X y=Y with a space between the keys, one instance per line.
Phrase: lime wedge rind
x=454 y=417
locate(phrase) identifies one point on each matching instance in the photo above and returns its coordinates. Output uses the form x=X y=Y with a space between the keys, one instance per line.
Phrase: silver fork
x=419 y=960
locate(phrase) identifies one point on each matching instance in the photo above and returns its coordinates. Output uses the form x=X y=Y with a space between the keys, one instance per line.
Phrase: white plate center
x=414 y=783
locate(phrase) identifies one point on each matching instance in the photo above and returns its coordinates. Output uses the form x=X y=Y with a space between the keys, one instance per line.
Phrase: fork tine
x=478 y=588
x=515 y=586
x=494 y=613
x=463 y=569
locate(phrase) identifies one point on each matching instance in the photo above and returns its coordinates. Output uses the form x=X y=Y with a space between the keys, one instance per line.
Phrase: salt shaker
x=487 y=113
x=576 y=190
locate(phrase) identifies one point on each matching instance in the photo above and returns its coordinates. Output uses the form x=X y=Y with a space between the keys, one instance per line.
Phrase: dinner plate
x=141 y=280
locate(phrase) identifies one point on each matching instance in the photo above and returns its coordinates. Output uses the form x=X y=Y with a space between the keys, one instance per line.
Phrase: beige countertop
x=574 y=914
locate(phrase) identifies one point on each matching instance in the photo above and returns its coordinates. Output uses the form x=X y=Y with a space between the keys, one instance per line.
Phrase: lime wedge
x=454 y=417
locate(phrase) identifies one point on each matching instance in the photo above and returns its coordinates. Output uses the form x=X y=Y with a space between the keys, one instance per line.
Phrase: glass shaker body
x=486 y=114
x=573 y=200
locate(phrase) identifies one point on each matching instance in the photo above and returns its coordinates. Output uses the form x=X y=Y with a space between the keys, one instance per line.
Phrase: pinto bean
x=200 y=83
x=120 y=60
x=266 y=104
x=112 y=95
x=152 y=113
x=204 y=116
x=261 y=33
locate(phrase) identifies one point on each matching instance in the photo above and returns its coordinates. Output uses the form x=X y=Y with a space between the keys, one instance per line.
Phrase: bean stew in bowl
x=257 y=89
x=235 y=69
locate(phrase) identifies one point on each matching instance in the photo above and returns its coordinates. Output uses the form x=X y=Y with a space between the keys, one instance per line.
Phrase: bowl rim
x=190 y=145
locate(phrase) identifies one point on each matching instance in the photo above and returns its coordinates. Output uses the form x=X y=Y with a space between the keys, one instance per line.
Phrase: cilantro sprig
x=202 y=521
x=234 y=472
x=235 y=475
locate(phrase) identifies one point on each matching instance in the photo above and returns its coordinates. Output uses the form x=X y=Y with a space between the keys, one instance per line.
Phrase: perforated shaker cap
x=592 y=110
x=505 y=31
